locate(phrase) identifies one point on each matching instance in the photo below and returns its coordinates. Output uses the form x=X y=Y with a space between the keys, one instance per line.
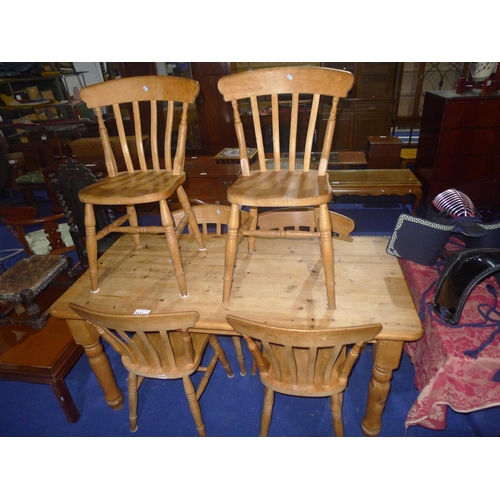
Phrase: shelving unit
x=37 y=100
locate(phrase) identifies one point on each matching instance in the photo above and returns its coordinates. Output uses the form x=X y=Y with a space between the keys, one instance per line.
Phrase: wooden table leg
x=387 y=357
x=89 y=339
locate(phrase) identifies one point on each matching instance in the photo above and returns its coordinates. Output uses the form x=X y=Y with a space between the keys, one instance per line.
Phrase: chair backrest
x=302 y=219
x=38 y=235
x=153 y=345
x=211 y=218
x=45 y=145
x=69 y=179
x=303 y=88
x=296 y=361
x=124 y=96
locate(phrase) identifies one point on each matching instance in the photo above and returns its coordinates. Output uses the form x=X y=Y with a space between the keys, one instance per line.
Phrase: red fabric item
x=444 y=375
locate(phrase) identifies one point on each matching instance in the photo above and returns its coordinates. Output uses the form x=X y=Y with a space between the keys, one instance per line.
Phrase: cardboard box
x=33 y=93
x=48 y=94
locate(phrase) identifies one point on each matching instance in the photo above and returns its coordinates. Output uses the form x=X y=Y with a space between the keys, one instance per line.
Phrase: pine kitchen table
x=281 y=283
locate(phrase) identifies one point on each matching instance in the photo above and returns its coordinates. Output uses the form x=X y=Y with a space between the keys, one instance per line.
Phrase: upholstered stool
x=27 y=183
x=23 y=282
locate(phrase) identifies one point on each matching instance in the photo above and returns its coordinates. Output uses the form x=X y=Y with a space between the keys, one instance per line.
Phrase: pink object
x=444 y=375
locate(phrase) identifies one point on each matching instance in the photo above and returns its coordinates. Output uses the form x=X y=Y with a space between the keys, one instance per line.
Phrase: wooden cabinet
x=459 y=146
x=368 y=108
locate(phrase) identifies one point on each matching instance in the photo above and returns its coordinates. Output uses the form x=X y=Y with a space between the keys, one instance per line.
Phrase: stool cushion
x=31 y=178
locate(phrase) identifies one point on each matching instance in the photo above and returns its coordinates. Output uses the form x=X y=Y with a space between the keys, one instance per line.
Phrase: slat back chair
x=309 y=363
x=213 y=219
x=289 y=222
x=145 y=180
x=159 y=346
x=277 y=182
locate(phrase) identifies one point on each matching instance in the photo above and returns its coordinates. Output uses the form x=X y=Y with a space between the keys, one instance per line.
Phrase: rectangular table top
x=281 y=283
x=373 y=178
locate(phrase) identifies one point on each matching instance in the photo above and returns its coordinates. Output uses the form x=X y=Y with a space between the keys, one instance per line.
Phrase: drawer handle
x=372 y=108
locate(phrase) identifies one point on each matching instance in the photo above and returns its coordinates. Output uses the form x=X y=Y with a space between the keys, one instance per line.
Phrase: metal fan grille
x=456 y=203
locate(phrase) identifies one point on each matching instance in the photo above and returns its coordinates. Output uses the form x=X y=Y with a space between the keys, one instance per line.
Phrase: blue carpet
x=230 y=407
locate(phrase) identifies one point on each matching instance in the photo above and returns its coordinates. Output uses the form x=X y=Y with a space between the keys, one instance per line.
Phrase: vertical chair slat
x=258 y=133
x=311 y=365
x=292 y=365
x=293 y=130
x=168 y=135
x=275 y=113
x=138 y=136
x=311 y=130
x=153 y=135
x=123 y=137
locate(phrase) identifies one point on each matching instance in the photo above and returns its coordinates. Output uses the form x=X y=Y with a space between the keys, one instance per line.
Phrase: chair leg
x=132 y=400
x=193 y=223
x=194 y=406
x=134 y=222
x=173 y=247
x=221 y=355
x=239 y=355
x=326 y=245
x=338 y=424
x=267 y=411
x=230 y=254
x=254 y=212
x=91 y=243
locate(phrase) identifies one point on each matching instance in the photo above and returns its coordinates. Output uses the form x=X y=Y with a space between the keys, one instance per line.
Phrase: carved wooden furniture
x=21 y=284
x=159 y=346
x=370 y=289
x=140 y=184
x=37 y=235
x=69 y=179
x=459 y=146
x=41 y=356
x=377 y=183
x=278 y=182
x=308 y=363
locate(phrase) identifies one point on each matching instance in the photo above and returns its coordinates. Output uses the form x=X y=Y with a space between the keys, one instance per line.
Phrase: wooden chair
x=38 y=235
x=288 y=222
x=47 y=151
x=213 y=219
x=309 y=363
x=141 y=183
x=278 y=182
x=159 y=346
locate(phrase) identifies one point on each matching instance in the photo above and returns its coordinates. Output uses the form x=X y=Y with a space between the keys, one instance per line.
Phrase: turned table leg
x=387 y=357
x=89 y=339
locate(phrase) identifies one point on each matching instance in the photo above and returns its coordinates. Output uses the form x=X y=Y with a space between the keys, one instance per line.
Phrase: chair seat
x=31 y=178
x=280 y=189
x=128 y=188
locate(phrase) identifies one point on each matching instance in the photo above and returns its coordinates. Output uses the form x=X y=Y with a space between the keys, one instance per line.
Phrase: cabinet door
x=370 y=119
x=376 y=80
x=215 y=116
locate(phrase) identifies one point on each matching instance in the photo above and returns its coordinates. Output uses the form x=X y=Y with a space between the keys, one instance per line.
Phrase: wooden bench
x=373 y=182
